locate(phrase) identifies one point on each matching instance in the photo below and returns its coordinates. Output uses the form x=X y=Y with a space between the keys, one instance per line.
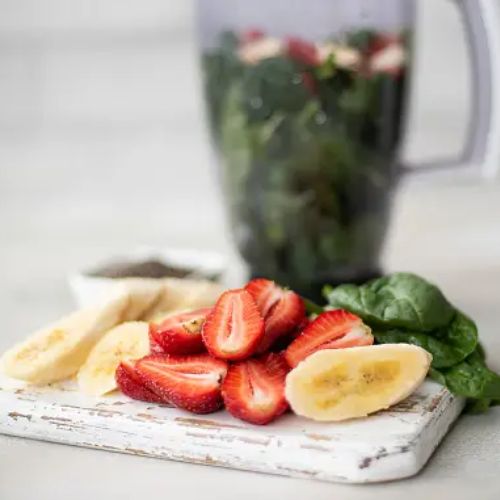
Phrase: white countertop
x=449 y=233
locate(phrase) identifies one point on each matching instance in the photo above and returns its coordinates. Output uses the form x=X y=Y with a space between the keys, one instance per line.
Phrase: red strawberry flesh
x=265 y=293
x=189 y=382
x=234 y=327
x=381 y=42
x=254 y=390
x=251 y=35
x=330 y=330
x=282 y=310
x=179 y=334
x=309 y=83
x=131 y=385
x=302 y=51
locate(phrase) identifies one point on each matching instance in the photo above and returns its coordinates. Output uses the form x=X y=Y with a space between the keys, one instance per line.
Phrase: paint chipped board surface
x=389 y=445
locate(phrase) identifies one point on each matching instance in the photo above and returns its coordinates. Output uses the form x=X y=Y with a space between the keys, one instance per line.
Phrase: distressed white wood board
x=389 y=445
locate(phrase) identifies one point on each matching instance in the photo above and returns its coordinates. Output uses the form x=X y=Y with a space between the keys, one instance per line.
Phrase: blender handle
x=482 y=147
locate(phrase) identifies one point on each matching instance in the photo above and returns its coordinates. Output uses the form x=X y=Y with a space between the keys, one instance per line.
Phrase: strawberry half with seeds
x=285 y=340
x=282 y=310
x=254 y=390
x=131 y=385
x=234 y=327
x=330 y=330
x=179 y=334
x=189 y=382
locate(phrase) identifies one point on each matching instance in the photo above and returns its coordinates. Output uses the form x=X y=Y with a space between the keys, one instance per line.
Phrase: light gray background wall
x=99 y=99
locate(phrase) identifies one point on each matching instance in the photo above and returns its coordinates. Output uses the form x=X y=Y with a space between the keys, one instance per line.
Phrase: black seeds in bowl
x=144 y=269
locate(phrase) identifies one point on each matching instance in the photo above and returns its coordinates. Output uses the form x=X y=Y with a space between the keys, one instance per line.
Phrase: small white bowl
x=86 y=288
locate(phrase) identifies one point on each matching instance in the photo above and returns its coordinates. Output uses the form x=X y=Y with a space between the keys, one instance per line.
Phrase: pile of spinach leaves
x=405 y=308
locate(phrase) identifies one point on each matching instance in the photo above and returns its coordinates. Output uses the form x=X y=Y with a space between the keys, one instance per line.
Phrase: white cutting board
x=389 y=445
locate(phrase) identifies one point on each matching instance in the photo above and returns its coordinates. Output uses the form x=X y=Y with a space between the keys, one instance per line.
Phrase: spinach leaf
x=361 y=39
x=478 y=405
x=473 y=379
x=462 y=337
x=220 y=69
x=437 y=376
x=481 y=405
x=326 y=69
x=273 y=84
x=357 y=99
x=401 y=300
x=312 y=307
x=474 y=405
x=448 y=346
x=480 y=351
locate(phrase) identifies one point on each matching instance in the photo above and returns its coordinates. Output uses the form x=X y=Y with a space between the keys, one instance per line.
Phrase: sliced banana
x=124 y=342
x=144 y=294
x=57 y=351
x=160 y=317
x=339 y=384
x=184 y=294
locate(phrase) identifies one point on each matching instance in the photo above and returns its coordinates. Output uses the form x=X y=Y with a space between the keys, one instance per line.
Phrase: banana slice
x=57 y=351
x=338 y=384
x=160 y=317
x=143 y=293
x=184 y=294
x=127 y=341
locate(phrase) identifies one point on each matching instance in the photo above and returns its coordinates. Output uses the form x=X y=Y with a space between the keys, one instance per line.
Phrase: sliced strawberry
x=302 y=51
x=284 y=341
x=179 y=334
x=251 y=35
x=386 y=55
x=265 y=293
x=284 y=317
x=281 y=309
x=381 y=42
x=234 y=327
x=301 y=327
x=189 y=382
x=130 y=384
x=309 y=83
x=254 y=390
x=330 y=330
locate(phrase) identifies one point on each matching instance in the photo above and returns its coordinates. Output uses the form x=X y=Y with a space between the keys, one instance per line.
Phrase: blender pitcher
x=306 y=106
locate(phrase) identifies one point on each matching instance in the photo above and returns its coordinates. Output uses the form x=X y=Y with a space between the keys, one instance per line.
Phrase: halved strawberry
x=282 y=310
x=284 y=341
x=309 y=83
x=234 y=327
x=179 y=334
x=251 y=35
x=254 y=390
x=189 y=382
x=302 y=51
x=131 y=385
x=300 y=327
x=330 y=330
x=381 y=42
